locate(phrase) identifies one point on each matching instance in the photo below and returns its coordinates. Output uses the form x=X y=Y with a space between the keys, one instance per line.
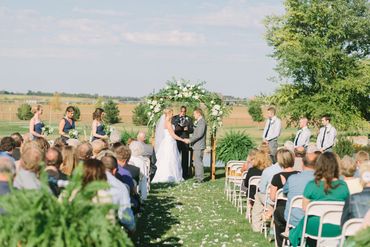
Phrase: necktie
x=268 y=128
x=296 y=140
x=323 y=138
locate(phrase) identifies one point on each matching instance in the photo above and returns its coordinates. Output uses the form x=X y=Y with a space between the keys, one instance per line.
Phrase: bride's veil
x=159 y=132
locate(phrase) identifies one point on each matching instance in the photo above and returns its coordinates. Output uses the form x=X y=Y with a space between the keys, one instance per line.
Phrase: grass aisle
x=193 y=215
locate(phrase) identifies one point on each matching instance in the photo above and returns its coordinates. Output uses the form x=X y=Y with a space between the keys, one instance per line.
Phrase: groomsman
x=183 y=128
x=302 y=138
x=272 y=131
x=326 y=138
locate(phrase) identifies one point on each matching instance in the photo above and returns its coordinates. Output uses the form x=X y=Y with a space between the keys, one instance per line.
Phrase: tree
x=99 y=102
x=322 y=47
x=140 y=115
x=111 y=112
x=77 y=113
x=24 y=112
x=254 y=109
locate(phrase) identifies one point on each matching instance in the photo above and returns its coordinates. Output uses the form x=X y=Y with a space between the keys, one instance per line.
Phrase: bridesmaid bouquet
x=47 y=130
x=108 y=129
x=73 y=134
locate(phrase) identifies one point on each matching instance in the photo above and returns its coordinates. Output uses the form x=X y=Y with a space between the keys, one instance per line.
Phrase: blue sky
x=130 y=48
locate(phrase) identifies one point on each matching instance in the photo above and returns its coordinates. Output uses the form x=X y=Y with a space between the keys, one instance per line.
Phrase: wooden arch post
x=213 y=155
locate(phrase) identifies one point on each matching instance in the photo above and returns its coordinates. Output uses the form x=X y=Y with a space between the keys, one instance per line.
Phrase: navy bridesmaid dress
x=38 y=128
x=100 y=131
x=67 y=127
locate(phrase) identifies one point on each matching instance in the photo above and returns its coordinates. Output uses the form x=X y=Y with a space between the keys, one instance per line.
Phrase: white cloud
x=238 y=16
x=173 y=38
x=103 y=12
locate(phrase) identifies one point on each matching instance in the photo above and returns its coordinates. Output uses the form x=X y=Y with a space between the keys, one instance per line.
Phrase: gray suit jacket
x=198 y=139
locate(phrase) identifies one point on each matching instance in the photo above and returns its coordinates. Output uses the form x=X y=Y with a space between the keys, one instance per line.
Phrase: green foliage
x=140 y=115
x=128 y=134
x=24 y=112
x=40 y=219
x=362 y=238
x=254 y=109
x=344 y=147
x=77 y=114
x=99 y=102
x=111 y=112
x=235 y=145
x=322 y=49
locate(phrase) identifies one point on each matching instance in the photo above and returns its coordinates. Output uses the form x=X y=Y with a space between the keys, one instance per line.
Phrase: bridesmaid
x=98 y=126
x=67 y=123
x=35 y=123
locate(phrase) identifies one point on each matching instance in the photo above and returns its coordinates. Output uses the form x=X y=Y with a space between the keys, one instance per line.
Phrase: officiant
x=183 y=128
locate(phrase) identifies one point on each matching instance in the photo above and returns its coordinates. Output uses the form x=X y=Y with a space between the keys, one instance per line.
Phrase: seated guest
x=259 y=161
x=249 y=162
x=69 y=161
x=257 y=211
x=84 y=152
x=27 y=175
x=285 y=158
x=325 y=187
x=299 y=153
x=148 y=152
x=53 y=161
x=134 y=171
x=98 y=147
x=347 y=170
x=59 y=143
x=360 y=158
x=296 y=183
x=357 y=205
x=138 y=160
x=42 y=143
x=18 y=143
x=120 y=193
x=94 y=170
x=7 y=146
x=6 y=175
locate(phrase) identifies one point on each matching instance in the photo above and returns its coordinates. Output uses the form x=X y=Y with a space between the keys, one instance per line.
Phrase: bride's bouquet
x=47 y=130
x=73 y=134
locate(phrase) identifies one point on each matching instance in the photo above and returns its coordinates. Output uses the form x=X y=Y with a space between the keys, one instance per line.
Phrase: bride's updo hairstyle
x=168 y=112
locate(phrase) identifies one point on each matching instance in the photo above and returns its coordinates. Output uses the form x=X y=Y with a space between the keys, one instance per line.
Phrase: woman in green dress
x=325 y=187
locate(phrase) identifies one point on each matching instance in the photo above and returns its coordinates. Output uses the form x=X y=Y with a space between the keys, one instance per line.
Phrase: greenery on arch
x=183 y=91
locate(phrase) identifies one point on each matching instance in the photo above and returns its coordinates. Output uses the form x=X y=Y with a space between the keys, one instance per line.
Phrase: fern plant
x=37 y=218
x=344 y=147
x=234 y=146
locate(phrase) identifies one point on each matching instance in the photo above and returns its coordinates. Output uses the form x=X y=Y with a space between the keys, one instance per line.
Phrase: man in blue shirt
x=296 y=184
x=7 y=145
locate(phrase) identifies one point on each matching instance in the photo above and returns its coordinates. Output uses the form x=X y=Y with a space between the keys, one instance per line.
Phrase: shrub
x=24 y=112
x=234 y=146
x=140 y=115
x=127 y=134
x=111 y=112
x=77 y=114
x=344 y=147
x=40 y=219
x=254 y=109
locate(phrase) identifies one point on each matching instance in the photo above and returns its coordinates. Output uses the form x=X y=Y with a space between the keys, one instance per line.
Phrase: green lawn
x=193 y=215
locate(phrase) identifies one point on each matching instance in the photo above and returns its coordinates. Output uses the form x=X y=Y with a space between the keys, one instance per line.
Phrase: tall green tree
x=255 y=110
x=111 y=112
x=322 y=47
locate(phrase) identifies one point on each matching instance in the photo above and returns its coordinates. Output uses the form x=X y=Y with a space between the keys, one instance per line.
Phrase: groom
x=183 y=127
x=198 y=141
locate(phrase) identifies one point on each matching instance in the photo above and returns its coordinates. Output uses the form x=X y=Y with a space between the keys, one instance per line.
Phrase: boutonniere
x=195 y=123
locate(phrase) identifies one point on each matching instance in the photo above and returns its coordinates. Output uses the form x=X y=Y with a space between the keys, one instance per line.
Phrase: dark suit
x=180 y=124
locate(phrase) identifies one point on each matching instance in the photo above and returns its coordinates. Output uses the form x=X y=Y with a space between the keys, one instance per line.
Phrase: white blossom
x=157 y=108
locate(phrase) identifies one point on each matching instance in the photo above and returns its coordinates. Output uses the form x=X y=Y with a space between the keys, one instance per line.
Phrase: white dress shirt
x=274 y=131
x=326 y=137
x=302 y=138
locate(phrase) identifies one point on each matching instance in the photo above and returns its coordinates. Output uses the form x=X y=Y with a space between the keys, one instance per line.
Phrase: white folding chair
x=253 y=181
x=147 y=172
x=236 y=183
x=279 y=197
x=295 y=203
x=234 y=175
x=265 y=222
x=330 y=212
x=241 y=194
x=350 y=228
x=228 y=170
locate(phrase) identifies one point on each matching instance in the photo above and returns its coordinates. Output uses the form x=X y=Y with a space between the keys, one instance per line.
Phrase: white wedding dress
x=168 y=158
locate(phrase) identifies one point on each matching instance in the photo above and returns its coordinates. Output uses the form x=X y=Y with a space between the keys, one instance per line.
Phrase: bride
x=168 y=157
